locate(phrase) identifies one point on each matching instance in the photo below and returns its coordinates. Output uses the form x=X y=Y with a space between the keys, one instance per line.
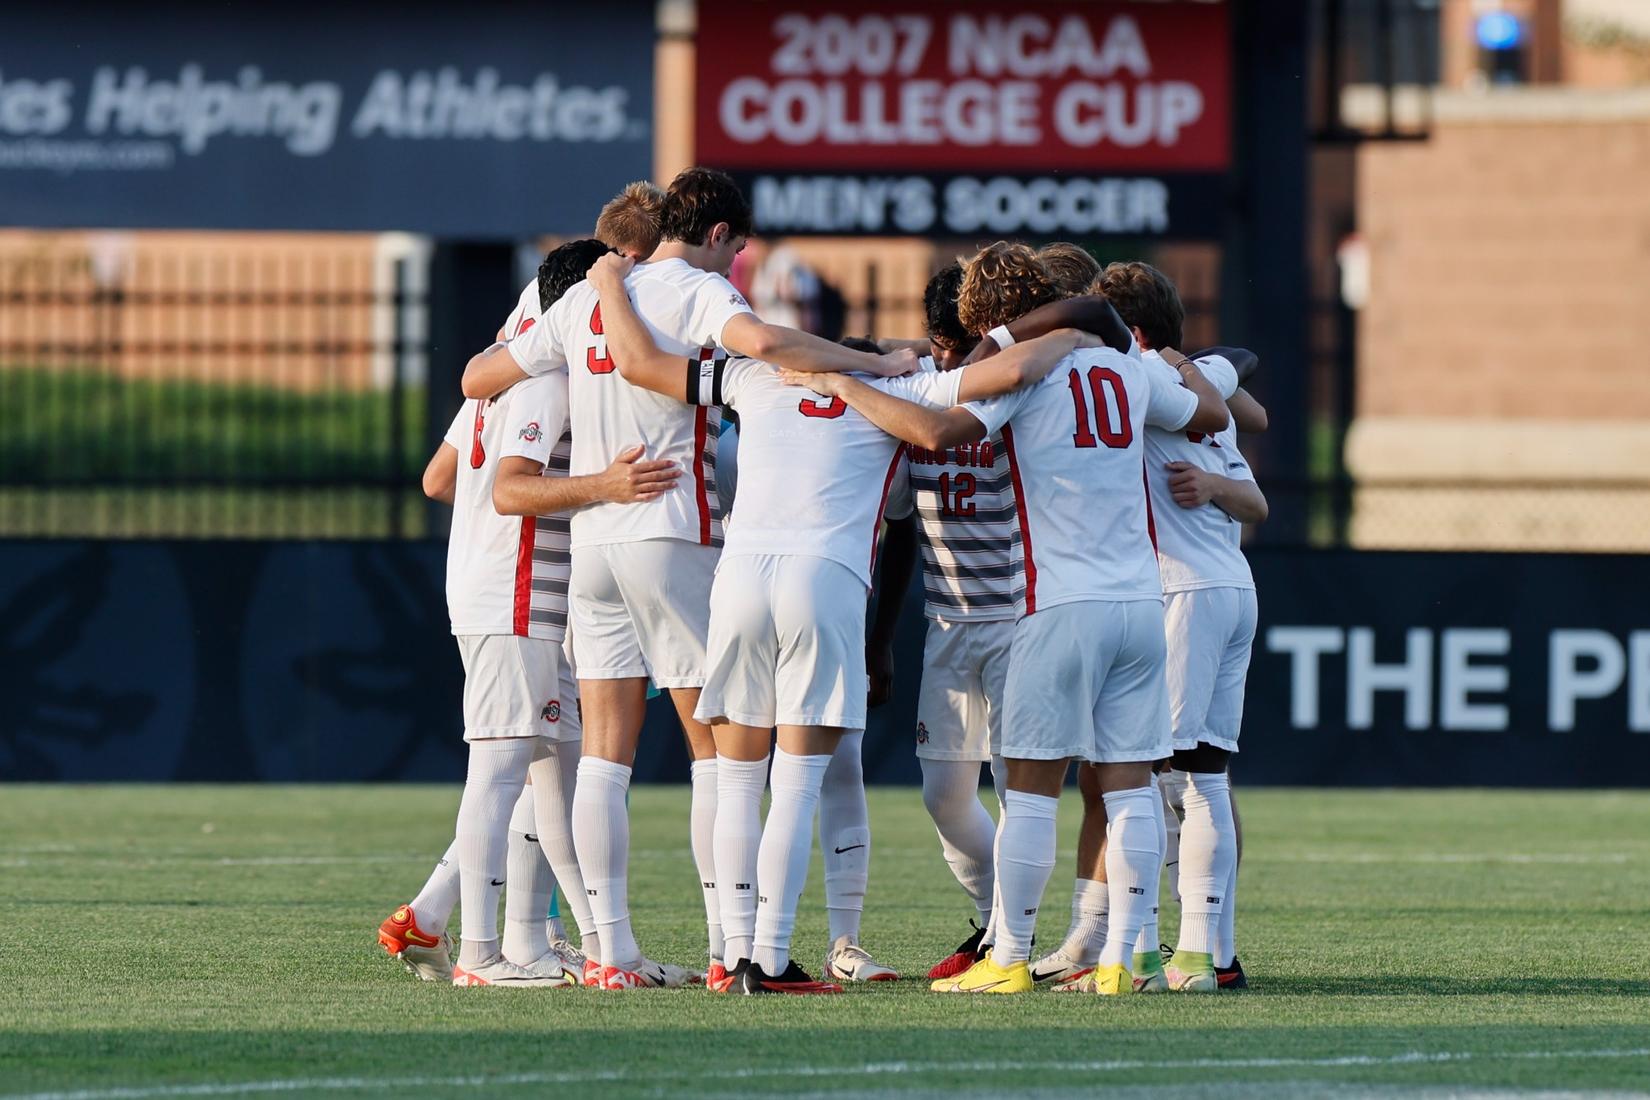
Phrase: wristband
x=1002 y=336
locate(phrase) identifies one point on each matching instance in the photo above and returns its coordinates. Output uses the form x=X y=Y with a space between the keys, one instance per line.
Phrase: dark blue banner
x=462 y=120
x=332 y=662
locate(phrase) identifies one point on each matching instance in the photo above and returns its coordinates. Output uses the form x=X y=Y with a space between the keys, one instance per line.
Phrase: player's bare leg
x=701 y=746
x=845 y=846
x=1090 y=898
x=799 y=765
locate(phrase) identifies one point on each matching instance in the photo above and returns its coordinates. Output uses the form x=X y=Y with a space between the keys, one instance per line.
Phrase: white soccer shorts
x=787 y=643
x=516 y=687
x=642 y=609
x=1210 y=633
x=960 y=703
x=1086 y=680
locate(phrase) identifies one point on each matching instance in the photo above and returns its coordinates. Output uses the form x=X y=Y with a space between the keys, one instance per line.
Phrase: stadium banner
x=464 y=121
x=849 y=116
x=289 y=661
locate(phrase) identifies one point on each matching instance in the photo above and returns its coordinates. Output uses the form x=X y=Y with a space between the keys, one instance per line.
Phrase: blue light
x=1499 y=30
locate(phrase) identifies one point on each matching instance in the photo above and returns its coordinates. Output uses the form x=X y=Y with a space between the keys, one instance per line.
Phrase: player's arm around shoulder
x=1192 y=486
x=440 y=481
x=933 y=426
x=1209 y=414
x=1024 y=364
x=805 y=353
x=640 y=360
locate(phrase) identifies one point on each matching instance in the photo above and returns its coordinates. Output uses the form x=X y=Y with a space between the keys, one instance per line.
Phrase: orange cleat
x=428 y=957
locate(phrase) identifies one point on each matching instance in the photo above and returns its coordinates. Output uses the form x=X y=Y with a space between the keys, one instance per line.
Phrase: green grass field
x=218 y=941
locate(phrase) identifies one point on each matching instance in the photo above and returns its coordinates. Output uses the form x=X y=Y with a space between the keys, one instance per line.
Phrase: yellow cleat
x=1113 y=981
x=986 y=976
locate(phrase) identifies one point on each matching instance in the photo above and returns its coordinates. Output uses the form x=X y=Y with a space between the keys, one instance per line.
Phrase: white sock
x=782 y=860
x=702 y=825
x=601 y=835
x=1133 y=860
x=1090 y=902
x=738 y=836
x=1148 y=941
x=492 y=784
x=530 y=887
x=994 y=925
x=951 y=793
x=555 y=774
x=845 y=838
x=433 y=907
x=1226 y=947
x=1208 y=852
x=1173 y=784
x=1025 y=859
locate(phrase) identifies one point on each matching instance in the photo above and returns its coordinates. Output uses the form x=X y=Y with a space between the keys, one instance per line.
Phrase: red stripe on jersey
x=524 y=575
x=882 y=505
x=1151 y=524
x=526 y=323
x=1025 y=526
x=700 y=427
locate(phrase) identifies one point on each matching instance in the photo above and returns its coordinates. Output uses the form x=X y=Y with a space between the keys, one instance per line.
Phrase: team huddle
x=1073 y=487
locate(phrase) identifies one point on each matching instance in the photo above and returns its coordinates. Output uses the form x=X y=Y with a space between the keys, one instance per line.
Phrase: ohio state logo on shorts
x=551 y=711
x=922 y=734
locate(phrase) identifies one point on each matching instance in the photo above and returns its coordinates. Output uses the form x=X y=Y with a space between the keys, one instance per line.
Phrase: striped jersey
x=685 y=310
x=964 y=502
x=506 y=574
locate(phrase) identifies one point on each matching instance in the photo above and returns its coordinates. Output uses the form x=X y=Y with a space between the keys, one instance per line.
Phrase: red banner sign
x=927 y=86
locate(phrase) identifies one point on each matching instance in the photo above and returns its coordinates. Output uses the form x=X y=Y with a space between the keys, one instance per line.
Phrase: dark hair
x=565 y=265
x=699 y=198
x=1145 y=298
x=939 y=304
x=860 y=343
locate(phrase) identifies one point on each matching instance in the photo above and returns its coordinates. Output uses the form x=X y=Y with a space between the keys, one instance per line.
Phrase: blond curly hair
x=1001 y=282
x=630 y=220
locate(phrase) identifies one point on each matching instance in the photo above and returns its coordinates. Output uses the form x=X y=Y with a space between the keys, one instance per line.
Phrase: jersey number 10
x=1100 y=379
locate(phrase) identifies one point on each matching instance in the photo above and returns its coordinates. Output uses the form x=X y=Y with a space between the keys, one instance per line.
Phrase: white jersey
x=505 y=575
x=964 y=501
x=815 y=474
x=1197 y=547
x=685 y=310
x=1076 y=444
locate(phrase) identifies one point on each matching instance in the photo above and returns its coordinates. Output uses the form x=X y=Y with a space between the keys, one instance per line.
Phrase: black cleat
x=1231 y=977
x=794 y=980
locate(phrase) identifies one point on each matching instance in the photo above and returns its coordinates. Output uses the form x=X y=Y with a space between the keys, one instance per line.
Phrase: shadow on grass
x=1356 y=985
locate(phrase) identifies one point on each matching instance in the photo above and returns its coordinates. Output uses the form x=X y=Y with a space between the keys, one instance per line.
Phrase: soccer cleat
x=1231 y=977
x=571 y=957
x=1080 y=982
x=1149 y=976
x=552 y=966
x=1113 y=981
x=647 y=974
x=847 y=961
x=1061 y=966
x=429 y=957
x=969 y=952
x=722 y=980
x=503 y=973
x=986 y=976
x=592 y=974
x=1193 y=972
x=794 y=980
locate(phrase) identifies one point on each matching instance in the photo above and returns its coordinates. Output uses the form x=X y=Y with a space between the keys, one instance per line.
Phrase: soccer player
x=641 y=577
x=1085 y=677
x=506 y=589
x=1202 y=493
x=788 y=610
x=1071 y=267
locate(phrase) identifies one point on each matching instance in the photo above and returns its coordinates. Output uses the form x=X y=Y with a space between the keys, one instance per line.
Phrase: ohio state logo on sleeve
x=552 y=711
x=532 y=433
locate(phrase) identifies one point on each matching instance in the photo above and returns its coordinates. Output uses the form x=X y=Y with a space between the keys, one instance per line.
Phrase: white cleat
x=647 y=974
x=551 y=965
x=571 y=957
x=847 y=961
x=505 y=974
x=1059 y=967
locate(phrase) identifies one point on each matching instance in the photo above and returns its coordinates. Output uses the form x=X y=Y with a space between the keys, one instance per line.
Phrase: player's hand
x=824 y=383
x=1085 y=339
x=631 y=480
x=1191 y=486
x=608 y=273
x=879 y=668
x=896 y=364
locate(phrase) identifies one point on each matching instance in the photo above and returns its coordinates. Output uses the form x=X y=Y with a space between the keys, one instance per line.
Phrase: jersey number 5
x=596 y=358
x=1100 y=379
x=821 y=409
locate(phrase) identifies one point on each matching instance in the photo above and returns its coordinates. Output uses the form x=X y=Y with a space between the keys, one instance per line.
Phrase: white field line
x=1446 y=857
x=875 y=1070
